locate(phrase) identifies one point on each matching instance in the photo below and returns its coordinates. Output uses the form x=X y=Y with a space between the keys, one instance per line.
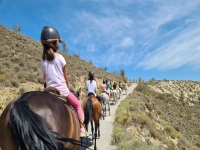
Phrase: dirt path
x=106 y=127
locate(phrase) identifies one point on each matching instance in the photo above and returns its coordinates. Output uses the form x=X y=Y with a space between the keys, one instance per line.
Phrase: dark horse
x=39 y=120
x=92 y=111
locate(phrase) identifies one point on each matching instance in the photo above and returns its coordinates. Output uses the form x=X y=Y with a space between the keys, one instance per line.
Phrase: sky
x=157 y=39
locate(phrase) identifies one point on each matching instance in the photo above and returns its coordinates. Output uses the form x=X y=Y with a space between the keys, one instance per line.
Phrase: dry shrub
x=135 y=144
x=141 y=118
x=154 y=132
x=172 y=132
x=170 y=144
x=122 y=116
x=117 y=134
x=148 y=106
x=3 y=77
x=14 y=82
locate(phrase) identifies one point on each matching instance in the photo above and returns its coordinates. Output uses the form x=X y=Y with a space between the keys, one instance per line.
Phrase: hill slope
x=156 y=117
x=20 y=58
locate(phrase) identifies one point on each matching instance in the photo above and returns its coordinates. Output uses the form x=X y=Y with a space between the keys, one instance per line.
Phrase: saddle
x=56 y=92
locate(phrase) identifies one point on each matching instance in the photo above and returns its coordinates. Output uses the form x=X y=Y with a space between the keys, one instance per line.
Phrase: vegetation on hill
x=148 y=119
x=20 y=58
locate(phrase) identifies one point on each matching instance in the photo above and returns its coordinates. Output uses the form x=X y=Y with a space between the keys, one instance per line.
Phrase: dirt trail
x=106 y=126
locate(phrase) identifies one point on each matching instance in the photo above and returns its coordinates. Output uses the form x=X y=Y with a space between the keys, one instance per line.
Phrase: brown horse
x=39 y=121
x=92 y=111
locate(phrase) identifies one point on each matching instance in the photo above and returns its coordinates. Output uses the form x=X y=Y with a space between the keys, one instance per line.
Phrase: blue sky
x=147 y=38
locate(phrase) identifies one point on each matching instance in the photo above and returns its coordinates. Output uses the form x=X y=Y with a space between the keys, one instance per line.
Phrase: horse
x=126 y=88
x=119 y=93
x=92 y=112
x=114 y=95
x=106 y=101
x=41 y=121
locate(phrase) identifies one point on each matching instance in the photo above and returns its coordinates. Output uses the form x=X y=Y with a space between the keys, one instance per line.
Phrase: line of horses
x=40 y=120
x=114 y=97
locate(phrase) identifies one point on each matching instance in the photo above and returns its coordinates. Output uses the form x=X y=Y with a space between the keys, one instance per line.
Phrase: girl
x=53 y=67
x=91 y=86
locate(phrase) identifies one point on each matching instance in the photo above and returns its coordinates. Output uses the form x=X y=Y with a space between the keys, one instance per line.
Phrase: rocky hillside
x=20 y=58
x=190 y=90
x=153 y=118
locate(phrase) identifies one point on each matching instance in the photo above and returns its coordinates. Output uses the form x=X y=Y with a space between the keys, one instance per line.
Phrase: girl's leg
x=77 y=106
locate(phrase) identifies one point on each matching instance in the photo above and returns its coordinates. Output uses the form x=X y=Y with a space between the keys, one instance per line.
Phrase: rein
x=64 y=139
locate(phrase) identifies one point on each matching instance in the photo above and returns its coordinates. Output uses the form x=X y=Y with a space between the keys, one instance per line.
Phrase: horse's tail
x=88 y=111
x=29 y=130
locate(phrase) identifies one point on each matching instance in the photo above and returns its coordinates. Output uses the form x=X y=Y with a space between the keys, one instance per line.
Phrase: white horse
x=114 y=95
x=126 y=88
x=105 y=101
x=119 y=93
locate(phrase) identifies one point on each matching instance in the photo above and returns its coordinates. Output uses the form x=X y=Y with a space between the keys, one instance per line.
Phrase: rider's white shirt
x=91 y=87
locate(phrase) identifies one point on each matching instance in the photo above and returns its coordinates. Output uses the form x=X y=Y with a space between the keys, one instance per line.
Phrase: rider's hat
x=49 y=33
x=91 y=74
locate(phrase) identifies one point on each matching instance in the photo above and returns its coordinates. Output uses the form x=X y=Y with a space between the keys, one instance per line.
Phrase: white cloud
x=126 y=42
x=91 y=48
x=182 y=50
x=132 y=29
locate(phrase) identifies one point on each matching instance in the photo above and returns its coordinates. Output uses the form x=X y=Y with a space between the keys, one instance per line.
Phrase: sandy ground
x=106 y=127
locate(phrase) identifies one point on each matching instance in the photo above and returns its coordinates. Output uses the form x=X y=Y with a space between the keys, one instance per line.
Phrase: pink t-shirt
x=54 y=74
x=103 y=87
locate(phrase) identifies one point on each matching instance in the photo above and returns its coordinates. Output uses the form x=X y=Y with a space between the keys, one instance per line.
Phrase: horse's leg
x=92 y=129
x=109 y=108
x=114 y=97
x=104 y=109
x=98 y=129
x=95 y=134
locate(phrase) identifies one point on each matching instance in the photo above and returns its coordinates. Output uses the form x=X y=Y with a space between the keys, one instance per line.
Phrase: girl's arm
x=65 y=75
x=95 y=90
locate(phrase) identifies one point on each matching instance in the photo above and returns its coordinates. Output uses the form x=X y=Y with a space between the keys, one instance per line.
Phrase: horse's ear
x=78 y=93
x=45 y=85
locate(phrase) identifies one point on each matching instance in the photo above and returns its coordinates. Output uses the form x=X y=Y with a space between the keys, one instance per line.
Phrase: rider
x=91 y=86
x=114 y=86
x=103 y=88
x=126 y=87
x=53 y=67
x=117 y=87
x=107 y=84
x=120 y=85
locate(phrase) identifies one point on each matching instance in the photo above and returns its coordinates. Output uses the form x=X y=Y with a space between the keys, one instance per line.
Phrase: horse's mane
x=23 y=119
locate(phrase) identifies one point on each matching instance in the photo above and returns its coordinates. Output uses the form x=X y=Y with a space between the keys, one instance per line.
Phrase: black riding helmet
x=49 y=32
x=91 y=75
